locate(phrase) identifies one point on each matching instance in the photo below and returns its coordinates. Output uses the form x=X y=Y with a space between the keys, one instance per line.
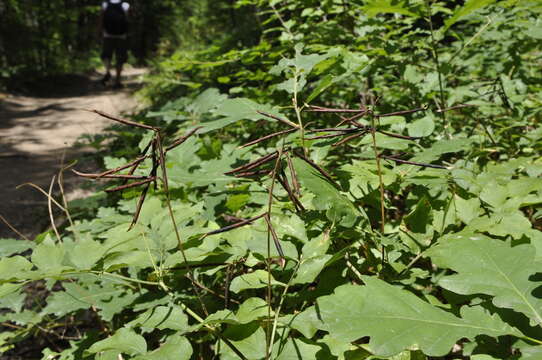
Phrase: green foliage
x=299 y=263
x=397 y=320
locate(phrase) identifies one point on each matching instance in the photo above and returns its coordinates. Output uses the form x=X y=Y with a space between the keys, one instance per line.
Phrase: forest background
x=386 y=204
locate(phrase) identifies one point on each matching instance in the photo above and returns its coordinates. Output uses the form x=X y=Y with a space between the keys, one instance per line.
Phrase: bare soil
x=37 y=137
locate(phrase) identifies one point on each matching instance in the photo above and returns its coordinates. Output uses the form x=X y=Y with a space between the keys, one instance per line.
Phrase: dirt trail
x=37 y=132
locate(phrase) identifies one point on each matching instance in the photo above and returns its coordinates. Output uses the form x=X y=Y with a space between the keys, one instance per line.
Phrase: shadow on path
x=38 y=131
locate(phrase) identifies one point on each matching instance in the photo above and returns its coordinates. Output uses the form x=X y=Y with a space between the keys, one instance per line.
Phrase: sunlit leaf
x=396 y=319
x=492 y=267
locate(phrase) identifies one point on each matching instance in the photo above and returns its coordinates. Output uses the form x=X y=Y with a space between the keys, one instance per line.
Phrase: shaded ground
x=37 y=134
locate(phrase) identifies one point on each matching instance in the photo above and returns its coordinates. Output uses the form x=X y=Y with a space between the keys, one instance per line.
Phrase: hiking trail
x=37 y=137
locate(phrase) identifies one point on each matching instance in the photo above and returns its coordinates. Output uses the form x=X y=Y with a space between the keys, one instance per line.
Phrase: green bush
x=410 y=231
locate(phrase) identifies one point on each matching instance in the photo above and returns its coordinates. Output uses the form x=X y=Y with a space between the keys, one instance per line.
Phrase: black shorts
x=118 y=46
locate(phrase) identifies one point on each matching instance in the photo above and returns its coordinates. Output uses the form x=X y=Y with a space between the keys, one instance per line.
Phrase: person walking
x=114 y=28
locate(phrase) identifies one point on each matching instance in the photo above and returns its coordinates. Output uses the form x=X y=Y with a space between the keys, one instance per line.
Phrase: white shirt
x=125 y=5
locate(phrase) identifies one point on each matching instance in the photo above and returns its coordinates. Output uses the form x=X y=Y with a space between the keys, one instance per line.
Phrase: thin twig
x=109 y=176
x=50 y=208
x=111 y=171
x=284 y=121
x=380 y=181
x=182 y=139
x=275 y=238
x=123 y=121
x=236 y=225
x=353 y=119
x=313 y=108
x=293 y=175
x=412 y=162
x=254 y=164
x=284 y=182
x=328 y=136
x=351 y=137
x=404 y=112
x=139 y=206
x=43 y=192
x=131 y=185
x=252 y=173
x=268 y=262
x=335 y=129
x=317 y=167
x=398 y=136
x=279 y=307
x=60 y=182
x=437 y=63
x=180 y=244
x=460 y=106
x=13 y=228
x=270 y=136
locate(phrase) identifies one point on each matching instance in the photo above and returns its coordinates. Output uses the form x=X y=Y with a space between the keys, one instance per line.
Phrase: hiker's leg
x=107 y=65
x=121 y=54
x=107 y=54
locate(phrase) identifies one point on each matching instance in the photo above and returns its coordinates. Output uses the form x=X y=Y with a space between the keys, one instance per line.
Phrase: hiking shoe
x=105 y=79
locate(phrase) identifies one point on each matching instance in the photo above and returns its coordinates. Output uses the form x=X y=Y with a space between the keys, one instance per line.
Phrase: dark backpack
x=114 y=20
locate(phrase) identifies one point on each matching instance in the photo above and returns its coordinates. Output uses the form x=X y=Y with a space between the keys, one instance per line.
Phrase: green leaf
x=86 y=252
x=9 y=288
x=310 y=268
x=386 y=142
x=249 y=339
x=338 y=208
x=233 y=110
x=48 y=256
x=10 y=247
x=420 y=217
x=535 y=32
x=175 y=348
x=109 y=299
x=492 y=267
x=161 y=317
x=306 y=322
x=295 y=349
x=442 y=147
x=124 y=340
x=375 y=7
x=255 y=280
x=14 y=300
x=14 y=268
x=323 y=84
x=289 y=225
x=317 y=246
x=24 y=317
x=467 y=9
x=396 y=320
x=422 y=127
x=467 y=210
x=237 y=201
x=206 y=101
x=251 y=309
x=412 y=75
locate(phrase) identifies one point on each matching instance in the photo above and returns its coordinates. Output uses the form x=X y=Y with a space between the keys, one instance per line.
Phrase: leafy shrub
x=412 y=230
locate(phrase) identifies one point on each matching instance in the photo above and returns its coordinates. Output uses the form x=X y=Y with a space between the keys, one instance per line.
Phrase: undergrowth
x=368 y=187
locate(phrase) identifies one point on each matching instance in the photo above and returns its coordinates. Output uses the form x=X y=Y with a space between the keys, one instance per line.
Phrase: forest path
x=37 y=136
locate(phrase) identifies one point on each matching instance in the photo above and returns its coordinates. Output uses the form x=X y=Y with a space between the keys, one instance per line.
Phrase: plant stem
x=174 y=222
x=268 y=336
x=381 y=183
x=298 y=115
x=277 y=311
x=437 y=64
